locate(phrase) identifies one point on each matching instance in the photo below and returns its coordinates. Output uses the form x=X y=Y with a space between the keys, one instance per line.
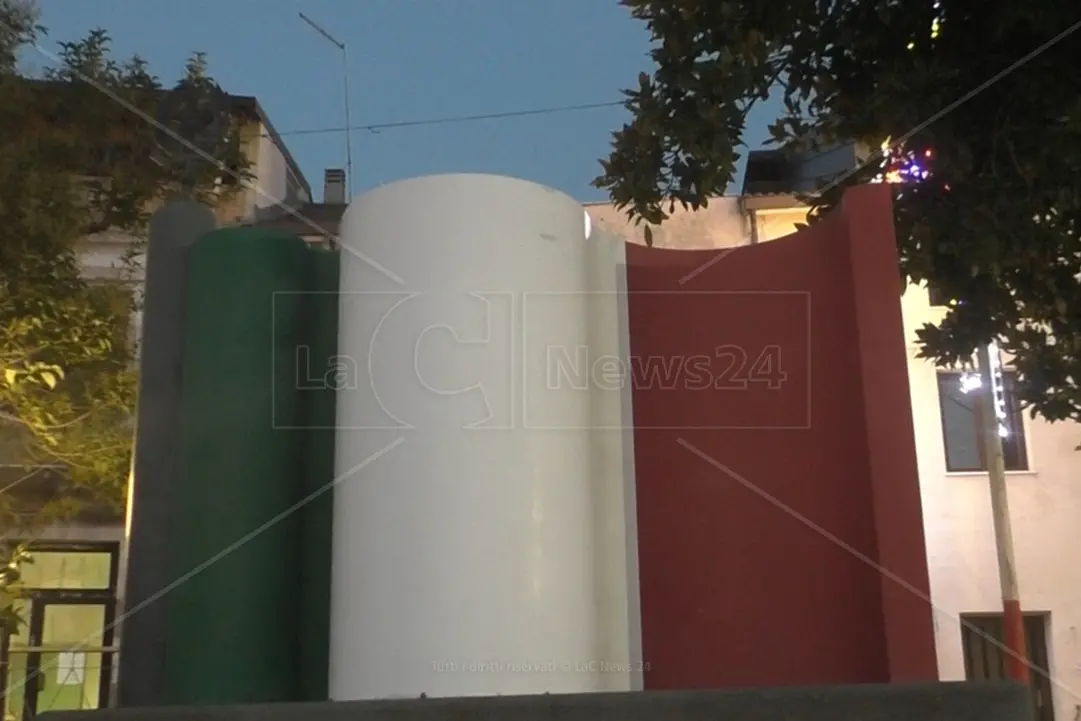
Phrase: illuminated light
x=971 y=382
x=899 y=166
x=998 y=388
x=912 y=46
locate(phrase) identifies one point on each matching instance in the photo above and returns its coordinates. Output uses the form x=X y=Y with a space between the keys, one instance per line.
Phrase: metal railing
x=54 y=677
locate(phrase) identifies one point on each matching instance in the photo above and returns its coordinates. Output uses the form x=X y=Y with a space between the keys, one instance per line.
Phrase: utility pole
x=345 y=79
x=992 y=416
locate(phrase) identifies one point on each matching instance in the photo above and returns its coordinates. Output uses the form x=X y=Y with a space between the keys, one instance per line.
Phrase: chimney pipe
x=334 y=186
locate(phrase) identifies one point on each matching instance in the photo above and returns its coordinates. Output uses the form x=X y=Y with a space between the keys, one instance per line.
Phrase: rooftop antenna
x=345 y=78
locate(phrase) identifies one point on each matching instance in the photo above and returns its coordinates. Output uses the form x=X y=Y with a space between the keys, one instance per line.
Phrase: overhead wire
x=448 y=119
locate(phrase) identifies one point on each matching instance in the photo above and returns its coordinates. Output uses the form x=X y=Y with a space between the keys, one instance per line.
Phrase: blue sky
x=409 y=60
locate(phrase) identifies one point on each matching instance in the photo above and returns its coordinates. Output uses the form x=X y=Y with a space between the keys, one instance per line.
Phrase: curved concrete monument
x=559 y=464
x=465 y=562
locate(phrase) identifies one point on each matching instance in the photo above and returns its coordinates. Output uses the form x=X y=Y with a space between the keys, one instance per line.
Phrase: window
x=985 y=660
x=69 y=570
x=61 y=657
x=961 y=429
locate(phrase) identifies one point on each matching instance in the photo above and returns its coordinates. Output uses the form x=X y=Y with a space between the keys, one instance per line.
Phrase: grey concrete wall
x=922 y=702
x=146 y=571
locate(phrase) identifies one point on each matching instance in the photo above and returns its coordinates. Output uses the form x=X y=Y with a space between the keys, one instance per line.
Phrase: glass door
x=60 y=657
x=64 y=666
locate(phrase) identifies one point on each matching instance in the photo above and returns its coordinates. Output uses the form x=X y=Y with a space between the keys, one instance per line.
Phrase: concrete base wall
x=870 y=702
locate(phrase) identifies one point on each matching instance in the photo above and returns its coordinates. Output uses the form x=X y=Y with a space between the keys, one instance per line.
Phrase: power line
x=456 y=119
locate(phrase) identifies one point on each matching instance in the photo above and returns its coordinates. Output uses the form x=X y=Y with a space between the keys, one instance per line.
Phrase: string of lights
x=900 y=165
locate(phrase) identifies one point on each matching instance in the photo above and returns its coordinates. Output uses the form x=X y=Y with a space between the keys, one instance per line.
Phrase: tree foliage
x=13 y=556
x=986 y=93
x=78 y=157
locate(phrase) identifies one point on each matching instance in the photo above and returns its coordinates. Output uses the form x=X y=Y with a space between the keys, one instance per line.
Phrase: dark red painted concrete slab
x=780 y=529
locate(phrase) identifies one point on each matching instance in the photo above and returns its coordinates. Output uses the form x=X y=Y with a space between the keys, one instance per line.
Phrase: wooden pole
x=1012 y=620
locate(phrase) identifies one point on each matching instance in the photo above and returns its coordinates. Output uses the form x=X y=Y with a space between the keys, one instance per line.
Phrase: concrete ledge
x=908 y=702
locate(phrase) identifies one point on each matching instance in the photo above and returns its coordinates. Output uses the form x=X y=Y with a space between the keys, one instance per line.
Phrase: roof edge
x=253 y=106
x=240 y=103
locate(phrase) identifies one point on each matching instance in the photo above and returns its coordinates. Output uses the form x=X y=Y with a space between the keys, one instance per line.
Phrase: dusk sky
x=409 y=60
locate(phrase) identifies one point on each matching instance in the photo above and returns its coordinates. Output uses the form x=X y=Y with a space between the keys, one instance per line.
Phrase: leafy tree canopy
x=985 y=93
x=77 y=157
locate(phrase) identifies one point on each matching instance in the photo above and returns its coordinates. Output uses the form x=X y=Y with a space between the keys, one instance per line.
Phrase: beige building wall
x=717 y=226
x=1045 y=501
x=241 y=206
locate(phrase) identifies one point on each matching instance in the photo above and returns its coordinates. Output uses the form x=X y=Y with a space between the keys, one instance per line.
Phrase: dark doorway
x=985 y=660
